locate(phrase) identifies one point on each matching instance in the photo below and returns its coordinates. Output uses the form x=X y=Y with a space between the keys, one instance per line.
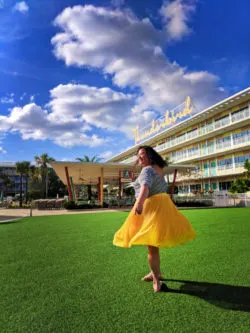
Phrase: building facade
x=10 y=180
x=215 y=140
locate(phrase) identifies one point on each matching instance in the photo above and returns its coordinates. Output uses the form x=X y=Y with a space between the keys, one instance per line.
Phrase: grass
x=62 y=274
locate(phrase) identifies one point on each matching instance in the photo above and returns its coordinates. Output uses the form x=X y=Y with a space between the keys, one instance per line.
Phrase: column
x=68 y=184
x=101 y=187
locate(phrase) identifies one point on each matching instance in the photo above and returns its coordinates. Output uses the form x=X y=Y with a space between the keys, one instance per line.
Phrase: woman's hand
x=138 y=208
x=142 y=197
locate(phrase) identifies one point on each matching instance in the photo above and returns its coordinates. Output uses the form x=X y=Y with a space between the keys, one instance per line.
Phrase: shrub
x=69 y=205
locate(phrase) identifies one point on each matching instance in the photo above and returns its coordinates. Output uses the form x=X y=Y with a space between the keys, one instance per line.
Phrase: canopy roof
x=89 y=173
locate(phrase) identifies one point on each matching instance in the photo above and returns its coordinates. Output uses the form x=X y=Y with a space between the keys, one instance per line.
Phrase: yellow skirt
x=159 y=225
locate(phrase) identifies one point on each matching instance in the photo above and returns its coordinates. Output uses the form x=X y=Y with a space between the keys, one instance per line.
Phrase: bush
x=206 y=203
x=69 y=205
x=73 y=205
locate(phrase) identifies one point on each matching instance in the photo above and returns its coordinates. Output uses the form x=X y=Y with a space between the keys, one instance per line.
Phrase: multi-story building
x=215 y=140
x=9 y=179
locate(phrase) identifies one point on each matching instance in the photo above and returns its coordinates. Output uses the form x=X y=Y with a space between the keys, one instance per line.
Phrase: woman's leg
x=152 y=253
x=154 y=264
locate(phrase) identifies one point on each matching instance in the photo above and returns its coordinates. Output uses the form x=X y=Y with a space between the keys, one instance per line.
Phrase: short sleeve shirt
x=150 y=177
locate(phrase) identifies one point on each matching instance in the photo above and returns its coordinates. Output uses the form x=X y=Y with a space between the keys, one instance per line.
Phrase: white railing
x=244 y=114
x=205 y=130
x=240 y=140
x=223 y=145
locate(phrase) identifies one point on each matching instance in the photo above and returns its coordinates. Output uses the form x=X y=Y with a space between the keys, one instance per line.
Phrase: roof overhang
x=89 y=173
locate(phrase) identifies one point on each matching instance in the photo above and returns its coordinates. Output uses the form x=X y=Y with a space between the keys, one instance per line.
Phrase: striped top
x=150 y=177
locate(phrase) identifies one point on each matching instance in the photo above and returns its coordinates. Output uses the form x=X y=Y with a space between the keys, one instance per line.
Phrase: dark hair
x=153 y=156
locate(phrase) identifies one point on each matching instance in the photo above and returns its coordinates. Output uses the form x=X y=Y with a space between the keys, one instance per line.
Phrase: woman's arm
x=144 y=191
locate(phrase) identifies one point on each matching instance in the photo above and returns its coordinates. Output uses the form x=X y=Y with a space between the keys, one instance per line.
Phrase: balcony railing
x=244 y=114
x=221 y=123
x=201 y=174
x=245 y=140
x=208 y=128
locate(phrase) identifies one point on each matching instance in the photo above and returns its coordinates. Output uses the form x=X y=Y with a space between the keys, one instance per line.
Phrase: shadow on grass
x=221 y=295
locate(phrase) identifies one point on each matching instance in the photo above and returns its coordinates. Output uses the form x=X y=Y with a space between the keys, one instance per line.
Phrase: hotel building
x=215 y=140
x=8 y=169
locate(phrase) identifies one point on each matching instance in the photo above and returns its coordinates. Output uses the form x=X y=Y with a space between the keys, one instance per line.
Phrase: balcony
x=221 y=147
x=211 y=172
x=208 y=128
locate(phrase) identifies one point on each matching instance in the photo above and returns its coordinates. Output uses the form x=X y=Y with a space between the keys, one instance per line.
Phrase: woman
x=154 y=220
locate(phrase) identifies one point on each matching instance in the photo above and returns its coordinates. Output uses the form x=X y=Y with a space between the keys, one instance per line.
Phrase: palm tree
x=26 y=173
x=43 y=162
x=86 y=159
x=22 y=169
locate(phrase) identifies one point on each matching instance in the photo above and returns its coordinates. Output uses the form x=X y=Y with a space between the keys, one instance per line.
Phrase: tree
x=43 y=161
x=242 y=184
x=22 y=168
x=247 y=168
x=35 y=187
x=26 y=174
x=6 y=181
x=56 y=186
x=86 y=159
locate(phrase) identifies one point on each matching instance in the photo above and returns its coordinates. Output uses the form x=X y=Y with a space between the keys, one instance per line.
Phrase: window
x=240 y=114
x=223 y=142
x=225 y=164
x=240 y=160
x=222 y=121
x=241 y=137
x=224 y=186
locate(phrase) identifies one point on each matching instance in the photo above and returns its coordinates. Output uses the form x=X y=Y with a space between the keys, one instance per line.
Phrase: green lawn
x=62 y=274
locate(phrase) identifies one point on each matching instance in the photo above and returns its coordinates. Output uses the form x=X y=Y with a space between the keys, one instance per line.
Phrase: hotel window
x=209 y=126
x=225 y=164
x=192 y=134
x=203 y=129
x=240 y=160
x=222 y=121
x=241 y=137
x=195 y=187
x=193 y=151
x=181 y=138
x=223 y=142
x=240 y=114
x=224 y=186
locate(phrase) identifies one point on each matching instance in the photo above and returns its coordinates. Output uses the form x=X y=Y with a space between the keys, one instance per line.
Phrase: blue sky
x=76 y=77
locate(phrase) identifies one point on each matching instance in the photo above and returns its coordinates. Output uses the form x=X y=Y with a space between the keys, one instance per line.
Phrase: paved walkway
x=7 y=215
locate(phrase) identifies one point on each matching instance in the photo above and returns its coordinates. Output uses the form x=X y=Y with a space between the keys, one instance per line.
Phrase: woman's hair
x=153 y=156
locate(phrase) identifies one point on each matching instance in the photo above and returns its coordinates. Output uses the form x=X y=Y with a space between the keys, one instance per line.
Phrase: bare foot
x=157 y=284
x=149 y=277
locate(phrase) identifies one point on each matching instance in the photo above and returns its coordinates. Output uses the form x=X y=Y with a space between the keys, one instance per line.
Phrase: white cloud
x=21 y=7
x=176 y=15
x=100 y=107
x=107 y=154
x=32 y=98
x=2 y=151
x=7 y=100
x=101 y=38
x=76 y=114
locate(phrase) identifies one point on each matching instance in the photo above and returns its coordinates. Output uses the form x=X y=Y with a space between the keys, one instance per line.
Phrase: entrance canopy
x=90 y=173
